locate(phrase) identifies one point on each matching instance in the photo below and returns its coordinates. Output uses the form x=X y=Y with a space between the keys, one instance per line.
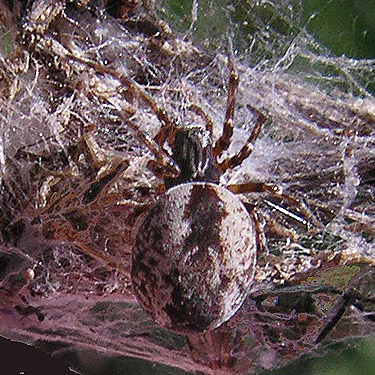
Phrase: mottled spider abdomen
x=194 y=257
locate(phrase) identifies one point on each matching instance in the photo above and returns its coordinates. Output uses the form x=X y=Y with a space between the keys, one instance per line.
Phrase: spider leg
x=200 y=112
x=223 y=142
x=107 y=260
x=167 y=128
x=164 y=165
x=260 y=187
x=96 y=188
x=247 y=149
x=164 y=162
x=262 y=250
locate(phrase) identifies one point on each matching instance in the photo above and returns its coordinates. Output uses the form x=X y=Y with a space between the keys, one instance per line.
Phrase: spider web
x=66 y=118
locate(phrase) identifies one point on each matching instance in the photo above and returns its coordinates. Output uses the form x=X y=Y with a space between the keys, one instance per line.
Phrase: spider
x=195 y=252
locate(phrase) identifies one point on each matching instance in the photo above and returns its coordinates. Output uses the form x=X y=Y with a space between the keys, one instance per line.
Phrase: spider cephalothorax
x=193 y=153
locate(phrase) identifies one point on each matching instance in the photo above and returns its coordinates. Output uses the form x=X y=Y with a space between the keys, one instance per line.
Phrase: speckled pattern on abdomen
x=194 y=257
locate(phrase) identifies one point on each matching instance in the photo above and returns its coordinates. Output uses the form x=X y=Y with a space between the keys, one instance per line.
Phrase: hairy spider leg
x=167 y=126
x=261 y=187
x=224 y=141
x=248 y=148
x=259 y=232
x=200 y=112
x=164 y=164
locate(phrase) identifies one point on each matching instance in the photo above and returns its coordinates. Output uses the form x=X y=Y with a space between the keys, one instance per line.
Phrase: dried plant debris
x=91 y=95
